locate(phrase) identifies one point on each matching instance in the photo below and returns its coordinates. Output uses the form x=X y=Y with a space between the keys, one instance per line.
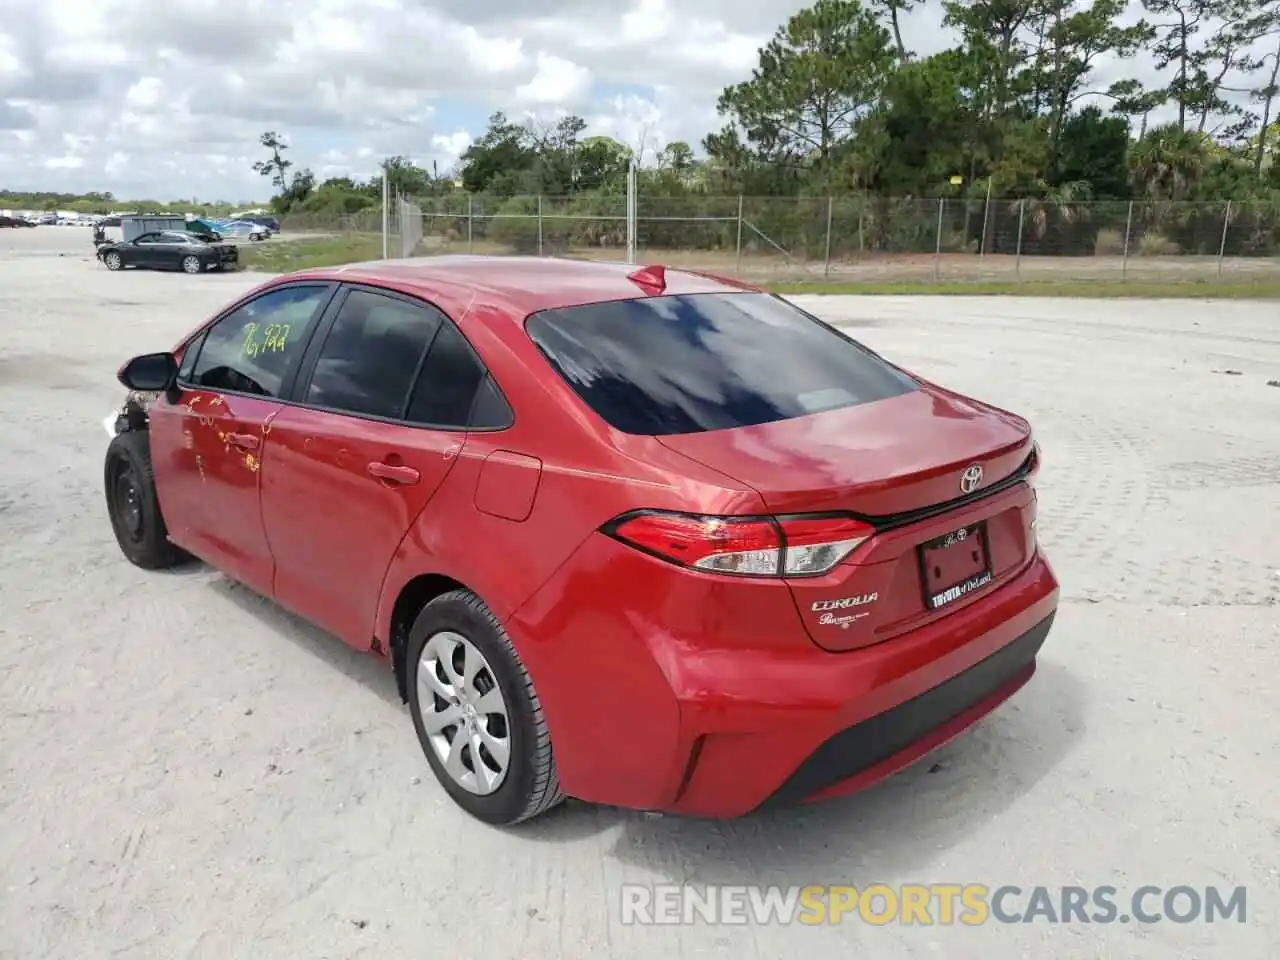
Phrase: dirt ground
x=186 y=771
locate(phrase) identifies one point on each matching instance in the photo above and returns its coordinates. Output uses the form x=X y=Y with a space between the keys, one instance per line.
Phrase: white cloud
x=169 y=99
x=556 y=82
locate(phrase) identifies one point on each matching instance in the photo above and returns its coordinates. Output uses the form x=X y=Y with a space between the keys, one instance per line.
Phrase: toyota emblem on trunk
x=970 y=479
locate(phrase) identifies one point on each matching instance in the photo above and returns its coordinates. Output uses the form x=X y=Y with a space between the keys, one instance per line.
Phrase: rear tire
x=113 y=260
x=191 y=265
x=448 y=636
x=133 y=506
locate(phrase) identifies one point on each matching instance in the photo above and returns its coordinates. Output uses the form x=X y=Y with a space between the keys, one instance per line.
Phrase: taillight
x=816 y=544
x=796 y=546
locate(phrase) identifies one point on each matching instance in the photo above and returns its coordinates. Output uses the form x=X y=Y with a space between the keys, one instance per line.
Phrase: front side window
x=668 y=365
x=371 y=353
x=189 y=355
x=251 y=349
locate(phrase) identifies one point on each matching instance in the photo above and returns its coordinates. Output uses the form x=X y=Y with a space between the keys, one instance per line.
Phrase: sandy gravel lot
x=186 y=771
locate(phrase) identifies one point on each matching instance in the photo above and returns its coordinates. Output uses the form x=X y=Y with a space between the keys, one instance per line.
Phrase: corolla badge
x=970 y=479
x=844 y=602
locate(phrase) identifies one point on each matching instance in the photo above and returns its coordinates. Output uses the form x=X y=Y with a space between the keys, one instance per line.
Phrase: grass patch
x=286 y=255
x=283 y=255
x=1085 y=289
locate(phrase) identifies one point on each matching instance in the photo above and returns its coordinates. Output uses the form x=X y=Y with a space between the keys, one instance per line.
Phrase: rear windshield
x=687 y=364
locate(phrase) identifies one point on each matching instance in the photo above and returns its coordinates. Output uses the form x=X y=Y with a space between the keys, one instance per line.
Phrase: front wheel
x=477 y=716
x=113 y=260
x=133 y=506
x=191 y=264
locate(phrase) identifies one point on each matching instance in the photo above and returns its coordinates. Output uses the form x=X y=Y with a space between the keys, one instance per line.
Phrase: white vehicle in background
x=244 y=229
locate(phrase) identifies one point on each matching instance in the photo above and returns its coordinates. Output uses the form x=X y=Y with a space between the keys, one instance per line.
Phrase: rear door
x=170 y=249
x=377 y=425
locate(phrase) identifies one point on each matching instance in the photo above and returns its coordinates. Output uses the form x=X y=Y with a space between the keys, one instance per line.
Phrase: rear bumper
x=875 y=748
x=663 y=701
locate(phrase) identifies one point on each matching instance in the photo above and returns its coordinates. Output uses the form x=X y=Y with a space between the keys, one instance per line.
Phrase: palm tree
x=1069 y=201
x=1167 y=162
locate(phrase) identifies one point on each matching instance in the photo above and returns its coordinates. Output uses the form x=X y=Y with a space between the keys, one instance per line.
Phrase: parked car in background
x=169 y=250
x=15 y=222
x=203 y=229
x=247 y=229
x=271 y=223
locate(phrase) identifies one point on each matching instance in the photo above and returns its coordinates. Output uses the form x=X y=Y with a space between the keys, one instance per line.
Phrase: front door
x=143 y=251
x=208 y=446
x=346 y=474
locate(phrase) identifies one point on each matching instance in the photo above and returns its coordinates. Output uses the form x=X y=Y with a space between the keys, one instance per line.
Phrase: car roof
x=518 y=285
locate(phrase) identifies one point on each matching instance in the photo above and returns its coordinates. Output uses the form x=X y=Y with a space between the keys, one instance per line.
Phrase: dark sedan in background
x=169 y=250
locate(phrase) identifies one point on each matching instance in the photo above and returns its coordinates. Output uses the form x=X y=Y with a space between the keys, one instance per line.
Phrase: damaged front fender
x=132 y=414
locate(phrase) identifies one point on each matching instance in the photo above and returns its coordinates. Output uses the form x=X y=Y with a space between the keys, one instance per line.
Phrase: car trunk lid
x=899 y=464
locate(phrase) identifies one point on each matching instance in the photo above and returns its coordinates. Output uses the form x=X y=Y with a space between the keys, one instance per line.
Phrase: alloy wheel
x=464 y=713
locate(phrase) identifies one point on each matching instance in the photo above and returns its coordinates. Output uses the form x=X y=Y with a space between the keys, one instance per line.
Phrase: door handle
x=392 y=473
x=245 y=441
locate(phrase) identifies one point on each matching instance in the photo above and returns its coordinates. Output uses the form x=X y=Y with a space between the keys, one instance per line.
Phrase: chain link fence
x=855 y=239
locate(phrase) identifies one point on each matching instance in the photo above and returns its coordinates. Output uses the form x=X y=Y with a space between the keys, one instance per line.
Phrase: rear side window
x=371 y=354
x=688 y=364
x=447 y=386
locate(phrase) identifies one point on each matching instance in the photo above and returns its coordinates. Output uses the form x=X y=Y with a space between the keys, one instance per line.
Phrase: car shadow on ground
x=897 y=828
x=372 y=672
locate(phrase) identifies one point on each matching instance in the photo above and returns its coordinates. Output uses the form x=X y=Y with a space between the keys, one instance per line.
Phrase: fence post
x=1128 y=229
x=826 y=263
x=937 y=249
x=469 y=223
x=386 y=212
x=1222 y=247
x=738 y=268
x=632 y=211
x=1017 y=259
x=539 y=224
x=986 y=219
x=862 y=219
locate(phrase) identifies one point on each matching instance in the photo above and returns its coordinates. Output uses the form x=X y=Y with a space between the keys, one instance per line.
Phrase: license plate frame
x=941 y=590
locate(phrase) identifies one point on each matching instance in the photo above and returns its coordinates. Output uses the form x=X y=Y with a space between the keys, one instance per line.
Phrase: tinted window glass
x=371 y=354
x=189 y=359
x=668 y=365
x=250 y=350
x=448 y=382
x=489 y=410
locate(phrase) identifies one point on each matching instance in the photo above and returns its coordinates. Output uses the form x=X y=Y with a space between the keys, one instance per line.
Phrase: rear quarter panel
x=589 y=475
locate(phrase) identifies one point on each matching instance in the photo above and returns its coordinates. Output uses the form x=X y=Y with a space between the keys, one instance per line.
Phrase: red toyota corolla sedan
x=637 y=536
